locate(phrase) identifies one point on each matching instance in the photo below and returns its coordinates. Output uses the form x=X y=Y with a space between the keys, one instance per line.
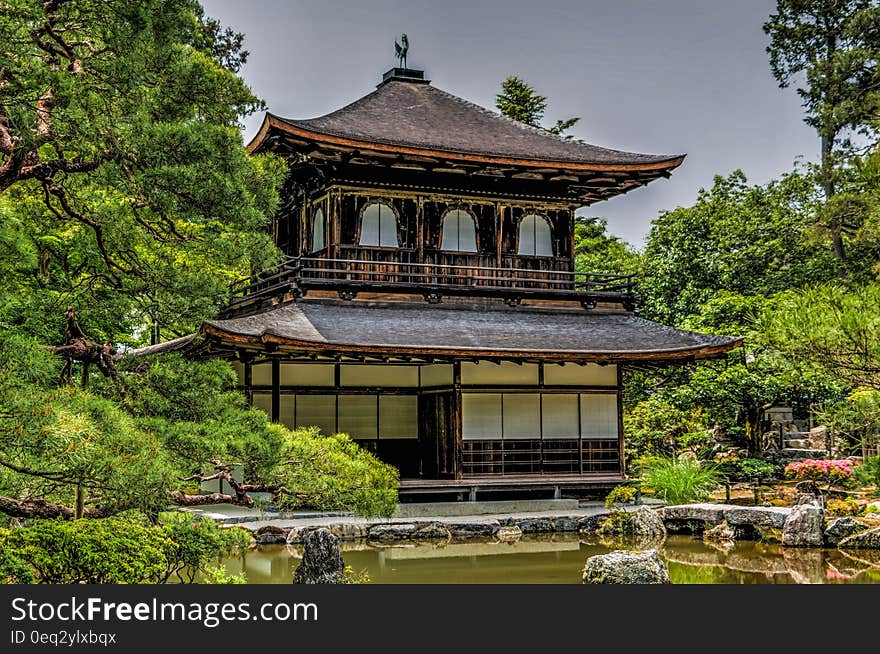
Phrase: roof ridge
x=542 y=131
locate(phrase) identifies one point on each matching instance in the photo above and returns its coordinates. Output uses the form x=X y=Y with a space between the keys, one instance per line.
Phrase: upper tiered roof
x=409 y=119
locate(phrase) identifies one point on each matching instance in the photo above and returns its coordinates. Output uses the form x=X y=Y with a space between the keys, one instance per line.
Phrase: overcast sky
x=654 y=76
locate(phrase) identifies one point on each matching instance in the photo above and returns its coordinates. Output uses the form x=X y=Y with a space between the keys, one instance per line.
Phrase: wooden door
x=438 y=437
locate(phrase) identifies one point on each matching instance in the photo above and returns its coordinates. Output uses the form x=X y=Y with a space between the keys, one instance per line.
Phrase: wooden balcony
x=438 y=275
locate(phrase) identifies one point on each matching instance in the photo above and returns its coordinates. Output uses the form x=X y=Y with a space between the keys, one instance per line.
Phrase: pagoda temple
x=428 y=304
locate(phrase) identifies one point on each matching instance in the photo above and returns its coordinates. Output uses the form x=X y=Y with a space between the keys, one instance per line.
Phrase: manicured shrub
x=746 y=469
x=832 y=471
x=196 y=543
x=91 y=551
x=117 y=551
x=620 y=495
x=844 y=507
x=868 y=473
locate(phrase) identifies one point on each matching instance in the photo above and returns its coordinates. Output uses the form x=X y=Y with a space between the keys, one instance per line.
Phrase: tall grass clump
x=680 y=482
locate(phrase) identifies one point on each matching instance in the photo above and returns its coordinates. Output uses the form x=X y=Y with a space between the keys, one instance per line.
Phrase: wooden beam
x=276 y=390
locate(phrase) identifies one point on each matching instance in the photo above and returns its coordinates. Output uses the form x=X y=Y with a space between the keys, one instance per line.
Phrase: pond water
x=559 y=559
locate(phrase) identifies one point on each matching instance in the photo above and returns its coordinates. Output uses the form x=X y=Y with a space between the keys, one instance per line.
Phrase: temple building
x=429 y=304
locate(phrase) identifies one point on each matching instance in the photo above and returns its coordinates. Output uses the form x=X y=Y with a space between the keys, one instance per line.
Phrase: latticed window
x=318 y=240
x=534 y=236
x=459 y=231
x=379 y=226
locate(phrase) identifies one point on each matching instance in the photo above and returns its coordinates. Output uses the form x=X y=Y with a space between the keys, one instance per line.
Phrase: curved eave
x=271 y=122
x=691 y=353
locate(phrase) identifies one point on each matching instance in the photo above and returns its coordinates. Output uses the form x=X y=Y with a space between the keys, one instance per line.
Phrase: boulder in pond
x=692 y=518
x=842 y=528
x=621 y=567
x=756 y=516
x=804 y=526
x=392 y=531
x=566 y=523
x=348 y=530
x=536 y=525
x=866 y=540
x=720 y=533
x=430 y=531
x=322 y=559
x=508 y=533
x=589 y=525
x=271 y=535
x=481 y=529
x=645 y=523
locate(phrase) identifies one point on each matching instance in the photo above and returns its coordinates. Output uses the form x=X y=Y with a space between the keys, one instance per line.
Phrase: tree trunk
x=80 y=502
x=834 y=226
x=754 y=439
x=43 y=509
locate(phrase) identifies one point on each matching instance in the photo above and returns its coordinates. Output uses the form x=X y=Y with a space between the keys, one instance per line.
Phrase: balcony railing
x=348 y=277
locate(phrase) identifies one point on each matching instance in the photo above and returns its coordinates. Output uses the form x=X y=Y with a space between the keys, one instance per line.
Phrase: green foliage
x=196 y=410
x=53 y=439
x=335 y=473
x=13 y=569
x=845 y=507
x=519 y=101
x=833 y=326
x=620 y=495
x=118 y=550
x=868 y=474
x=756 y=468
x=219 y=575
x=747 y=240
x=661 y=425
x=830 y=49
x=598 y=251
x=105 y=551
x=128 y=192
x=349 y=576
x=196 y=543
x=680 y=482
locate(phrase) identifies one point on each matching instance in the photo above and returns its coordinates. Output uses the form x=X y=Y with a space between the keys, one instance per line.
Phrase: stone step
x=803 y=453
x=798 y=444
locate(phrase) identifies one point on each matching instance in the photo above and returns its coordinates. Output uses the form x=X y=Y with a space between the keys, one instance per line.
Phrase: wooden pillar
x=249 y=383
x=335 y=222
x=499 y=220
x=276 y=390
x=303 y=225
x=620 y=419
x=456 y=423
x=420 y=228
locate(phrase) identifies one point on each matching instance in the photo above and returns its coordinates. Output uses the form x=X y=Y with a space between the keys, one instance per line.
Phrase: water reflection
x=558 y=559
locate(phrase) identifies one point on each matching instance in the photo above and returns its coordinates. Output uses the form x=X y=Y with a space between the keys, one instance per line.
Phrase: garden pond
x=560 y=558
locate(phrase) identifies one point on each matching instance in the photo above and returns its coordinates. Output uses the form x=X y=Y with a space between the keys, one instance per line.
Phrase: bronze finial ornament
x=401 y=49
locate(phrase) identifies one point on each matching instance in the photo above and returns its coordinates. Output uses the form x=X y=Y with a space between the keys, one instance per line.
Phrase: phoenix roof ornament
x=401 y=49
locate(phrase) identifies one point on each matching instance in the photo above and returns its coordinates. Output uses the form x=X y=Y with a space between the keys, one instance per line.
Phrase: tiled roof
x=417 y=115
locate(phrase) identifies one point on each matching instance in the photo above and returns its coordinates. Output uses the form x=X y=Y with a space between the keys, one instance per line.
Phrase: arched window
x=379 y=226
x=318 y=240
x=534 y=236
x=459 y=231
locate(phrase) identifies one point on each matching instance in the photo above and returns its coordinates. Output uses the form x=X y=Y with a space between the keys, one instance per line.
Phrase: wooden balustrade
x=359 y=269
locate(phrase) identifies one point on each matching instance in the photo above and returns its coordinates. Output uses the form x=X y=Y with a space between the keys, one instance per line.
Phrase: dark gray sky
x=654 y=76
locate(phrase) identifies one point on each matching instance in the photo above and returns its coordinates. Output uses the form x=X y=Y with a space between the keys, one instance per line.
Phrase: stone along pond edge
x=800 y=526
